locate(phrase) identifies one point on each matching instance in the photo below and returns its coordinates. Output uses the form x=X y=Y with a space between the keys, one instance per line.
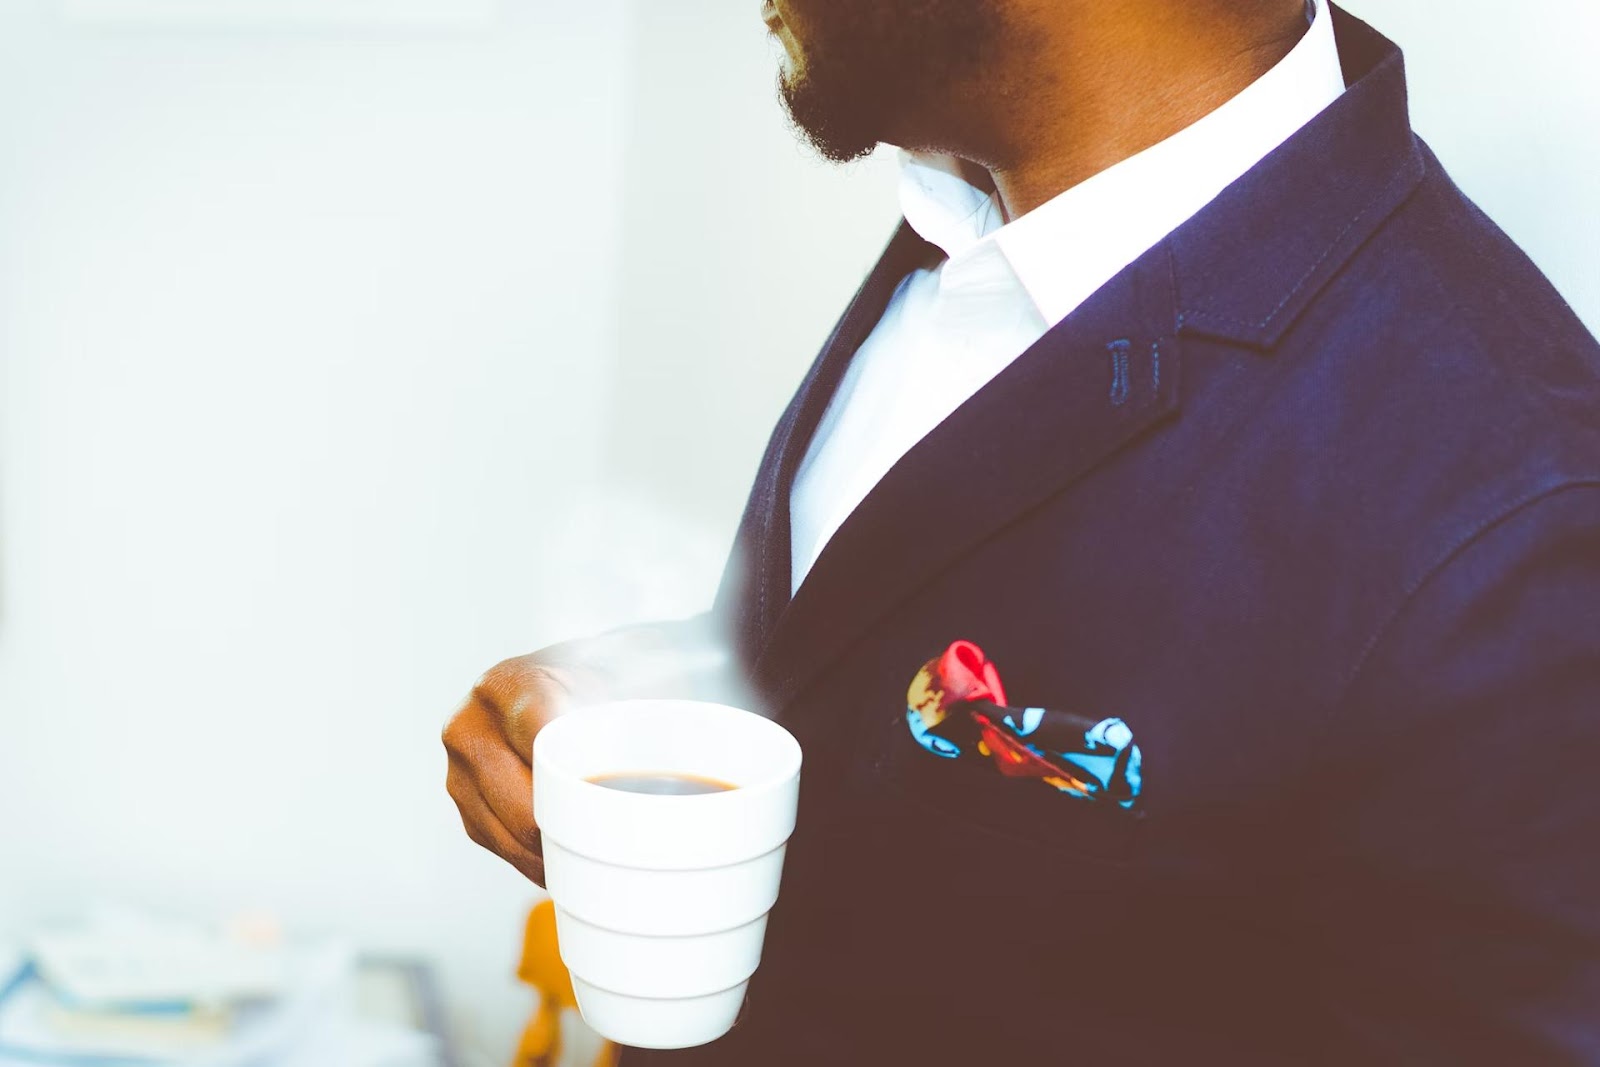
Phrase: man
x=1195 y=406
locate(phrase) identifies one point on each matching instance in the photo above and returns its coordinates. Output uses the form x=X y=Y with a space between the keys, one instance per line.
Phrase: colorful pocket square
x=957 y=706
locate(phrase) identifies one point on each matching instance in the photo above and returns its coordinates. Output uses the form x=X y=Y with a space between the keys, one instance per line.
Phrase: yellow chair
x=541 y=968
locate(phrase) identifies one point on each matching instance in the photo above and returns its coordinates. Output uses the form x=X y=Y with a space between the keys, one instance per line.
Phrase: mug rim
x=789 y=760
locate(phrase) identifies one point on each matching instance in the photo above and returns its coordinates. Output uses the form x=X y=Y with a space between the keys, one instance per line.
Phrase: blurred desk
x=402 y=991
x=389 y=1014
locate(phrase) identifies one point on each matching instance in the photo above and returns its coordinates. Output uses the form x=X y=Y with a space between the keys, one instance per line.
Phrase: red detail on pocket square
x=960 y=675
x=968 y=675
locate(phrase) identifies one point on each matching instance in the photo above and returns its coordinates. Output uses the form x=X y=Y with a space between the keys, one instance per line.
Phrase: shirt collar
x=1068 y=247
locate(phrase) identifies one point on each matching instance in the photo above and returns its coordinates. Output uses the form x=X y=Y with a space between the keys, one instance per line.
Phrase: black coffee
x=666 y=785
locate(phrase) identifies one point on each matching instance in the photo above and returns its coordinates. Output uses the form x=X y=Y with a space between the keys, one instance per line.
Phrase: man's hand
x=490 y=744
x=490 y=738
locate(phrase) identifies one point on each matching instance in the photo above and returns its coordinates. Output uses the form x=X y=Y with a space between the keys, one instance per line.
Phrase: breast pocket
x=1002 y=884
x=1002 y=824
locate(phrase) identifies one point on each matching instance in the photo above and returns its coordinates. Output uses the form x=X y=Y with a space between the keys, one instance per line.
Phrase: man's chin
x=835 y=130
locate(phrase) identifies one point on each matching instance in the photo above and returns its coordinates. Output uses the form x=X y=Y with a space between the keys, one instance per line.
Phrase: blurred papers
x=132 y=991
x=118 y=959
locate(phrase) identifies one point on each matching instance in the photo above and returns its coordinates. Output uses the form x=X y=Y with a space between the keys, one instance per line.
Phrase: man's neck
x=1090 y=93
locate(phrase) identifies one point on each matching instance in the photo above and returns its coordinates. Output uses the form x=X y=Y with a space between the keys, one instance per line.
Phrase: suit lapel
x=1099 y=379
x=756 y=585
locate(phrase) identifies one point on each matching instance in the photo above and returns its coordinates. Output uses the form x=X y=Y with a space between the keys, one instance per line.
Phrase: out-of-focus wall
x=742 y=250
x=302 y=332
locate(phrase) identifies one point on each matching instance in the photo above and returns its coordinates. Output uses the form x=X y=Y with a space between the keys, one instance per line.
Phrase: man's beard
x=883 y=70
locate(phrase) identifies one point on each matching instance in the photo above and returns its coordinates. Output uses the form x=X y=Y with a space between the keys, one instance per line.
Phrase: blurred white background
x=343 y=354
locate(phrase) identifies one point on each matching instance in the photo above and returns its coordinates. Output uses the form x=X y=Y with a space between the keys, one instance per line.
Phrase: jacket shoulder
x=1445 y=332
x=1489 y=314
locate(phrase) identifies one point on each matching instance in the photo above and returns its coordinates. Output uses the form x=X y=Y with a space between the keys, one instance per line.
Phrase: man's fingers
x=486 y=829
x=490 y=744
x=506 y=785
x=483 y=764
x=519 y=696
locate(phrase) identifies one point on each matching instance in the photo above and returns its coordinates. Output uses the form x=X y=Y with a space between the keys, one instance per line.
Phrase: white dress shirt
x=950 y=329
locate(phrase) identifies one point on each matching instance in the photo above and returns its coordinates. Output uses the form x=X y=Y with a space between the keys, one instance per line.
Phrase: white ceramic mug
x=661 y=901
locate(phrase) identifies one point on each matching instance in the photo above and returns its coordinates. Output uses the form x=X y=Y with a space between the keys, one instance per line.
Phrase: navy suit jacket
x=1309 y=495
